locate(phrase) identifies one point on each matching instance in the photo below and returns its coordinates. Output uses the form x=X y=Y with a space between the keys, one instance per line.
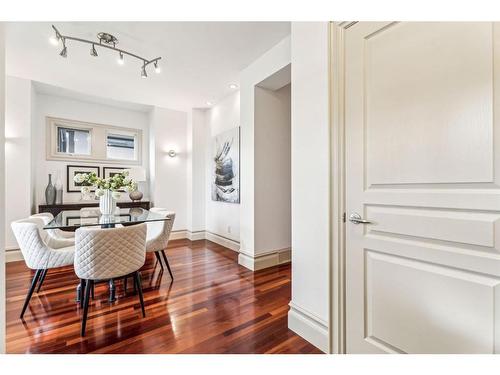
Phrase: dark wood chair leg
x=125 y=284
x=83 y=284
x=93 y=291
x=88 y=288
x=168 y=265
x=42 y=278
x=79 y=292
x=158 y=258
x=137 y=280
x=30 y=292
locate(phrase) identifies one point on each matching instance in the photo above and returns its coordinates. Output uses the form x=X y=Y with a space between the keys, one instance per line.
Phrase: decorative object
x=226 y=167
x=138 y=175
x=108 y=172
x=50 y=192
x=107 y=189
x=59 y=188
x=105 y=40
x=72 y=171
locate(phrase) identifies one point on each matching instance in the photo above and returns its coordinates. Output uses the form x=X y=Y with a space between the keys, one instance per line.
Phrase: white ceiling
x=199 y=59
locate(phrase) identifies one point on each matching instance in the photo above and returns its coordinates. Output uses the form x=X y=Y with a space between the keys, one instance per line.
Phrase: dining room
x=124 y=215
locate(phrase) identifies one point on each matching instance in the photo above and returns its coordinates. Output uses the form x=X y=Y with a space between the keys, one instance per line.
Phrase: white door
x=422 y=127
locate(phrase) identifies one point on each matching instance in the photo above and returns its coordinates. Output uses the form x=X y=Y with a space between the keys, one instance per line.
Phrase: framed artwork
x=226 y=167
x=111 y=171
x=72 y=170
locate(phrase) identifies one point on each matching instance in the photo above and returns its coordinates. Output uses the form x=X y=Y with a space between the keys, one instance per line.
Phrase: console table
x=54 y=209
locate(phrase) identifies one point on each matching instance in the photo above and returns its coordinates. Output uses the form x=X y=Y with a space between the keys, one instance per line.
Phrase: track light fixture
x=105 y=41
x=93 y=52
x=121 y=61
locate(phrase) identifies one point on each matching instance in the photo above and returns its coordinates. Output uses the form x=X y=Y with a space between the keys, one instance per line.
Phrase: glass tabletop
x=87 y=217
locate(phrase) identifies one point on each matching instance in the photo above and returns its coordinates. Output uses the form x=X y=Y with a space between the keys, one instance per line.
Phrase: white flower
x=99 y=192
x=116 y=195
x=127 y=180
x=85 y=189
x=79 y=178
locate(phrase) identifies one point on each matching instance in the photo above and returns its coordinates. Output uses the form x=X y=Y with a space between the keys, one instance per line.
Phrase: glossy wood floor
x=213 y=306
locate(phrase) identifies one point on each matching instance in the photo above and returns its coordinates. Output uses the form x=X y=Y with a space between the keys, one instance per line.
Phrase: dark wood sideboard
x=54 y=209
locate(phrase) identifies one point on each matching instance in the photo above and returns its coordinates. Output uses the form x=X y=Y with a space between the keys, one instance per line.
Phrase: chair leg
x=125 y=284
x=83 y=284
x=137 y=280
x=112 y=291
x=42 y=278
x=88 y=288
x=168 y=265
x=92 y=291
x=30 y=292
x=157 y=254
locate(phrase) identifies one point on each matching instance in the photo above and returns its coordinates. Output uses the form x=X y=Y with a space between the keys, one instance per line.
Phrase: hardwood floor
x=213 y=306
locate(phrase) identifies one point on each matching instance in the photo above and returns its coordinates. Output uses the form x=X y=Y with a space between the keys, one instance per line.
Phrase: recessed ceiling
x=199 y=59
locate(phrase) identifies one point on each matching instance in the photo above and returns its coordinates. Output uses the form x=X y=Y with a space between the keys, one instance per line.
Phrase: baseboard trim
x=308 y=326
x=223 y=241
x=266 y=260
x=13 y=255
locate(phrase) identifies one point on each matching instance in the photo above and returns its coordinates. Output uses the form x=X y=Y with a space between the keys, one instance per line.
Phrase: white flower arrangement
x=114 y=183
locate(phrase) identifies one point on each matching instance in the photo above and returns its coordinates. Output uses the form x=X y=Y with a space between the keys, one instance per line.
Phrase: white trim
x=268 y=259
x=308 y=326
x=13 y=255
x=223 y=241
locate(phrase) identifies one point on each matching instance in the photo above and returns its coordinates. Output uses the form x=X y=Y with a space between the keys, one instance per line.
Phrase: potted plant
x=106 y=188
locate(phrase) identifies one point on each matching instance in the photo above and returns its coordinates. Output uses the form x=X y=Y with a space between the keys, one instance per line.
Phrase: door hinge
x=343 y=217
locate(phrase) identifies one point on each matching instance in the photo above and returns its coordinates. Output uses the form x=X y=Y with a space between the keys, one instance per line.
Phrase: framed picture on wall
x=72 y=170
x=111 y=171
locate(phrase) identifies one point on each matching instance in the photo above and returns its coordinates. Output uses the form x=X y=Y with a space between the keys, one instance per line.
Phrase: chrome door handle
x=357 y=219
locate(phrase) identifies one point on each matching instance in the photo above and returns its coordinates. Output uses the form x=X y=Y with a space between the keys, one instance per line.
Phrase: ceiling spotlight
x=93 y=51
x=121 y=61
x=64 y=52
x=54 y=40
x=157 y=68
x=209 y=103
x=143 y=72
x=233 y=86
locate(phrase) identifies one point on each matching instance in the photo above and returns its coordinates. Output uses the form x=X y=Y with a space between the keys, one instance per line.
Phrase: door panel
x=422 y=164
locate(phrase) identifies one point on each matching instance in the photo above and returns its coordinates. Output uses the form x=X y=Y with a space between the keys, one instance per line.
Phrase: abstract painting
x=226 y=167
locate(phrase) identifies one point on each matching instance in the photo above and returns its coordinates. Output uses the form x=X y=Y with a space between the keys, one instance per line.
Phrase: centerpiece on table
x=107 y=188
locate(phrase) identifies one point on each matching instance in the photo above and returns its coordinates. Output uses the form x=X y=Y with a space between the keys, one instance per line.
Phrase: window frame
x=98 y=141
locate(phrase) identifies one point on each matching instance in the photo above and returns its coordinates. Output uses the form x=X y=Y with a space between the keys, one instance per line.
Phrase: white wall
x=54 y=106
x=310 y=201
x=168 y=130
x=273 y=224
x=269 y=63
x=2 y=182
x=222 y=218
x=197 y=133
x=18 y=154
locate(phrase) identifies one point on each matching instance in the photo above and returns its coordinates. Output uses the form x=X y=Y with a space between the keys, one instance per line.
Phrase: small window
x=85 y=141
x=73 y=141
x=121 y=146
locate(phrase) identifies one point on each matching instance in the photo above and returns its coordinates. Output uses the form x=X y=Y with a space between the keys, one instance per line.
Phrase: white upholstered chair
x=159 y=234
x=55 y=238
x=105 y=254
x=37 y=254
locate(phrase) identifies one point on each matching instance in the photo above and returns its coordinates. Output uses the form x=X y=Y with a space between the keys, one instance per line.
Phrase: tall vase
x=50 y=192
x=107 y=204
x=59 y=189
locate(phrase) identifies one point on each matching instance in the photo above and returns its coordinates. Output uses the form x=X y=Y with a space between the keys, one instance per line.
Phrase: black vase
x=50 y=192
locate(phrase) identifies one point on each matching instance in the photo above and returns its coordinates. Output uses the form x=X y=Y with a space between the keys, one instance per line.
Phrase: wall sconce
x=172 y=153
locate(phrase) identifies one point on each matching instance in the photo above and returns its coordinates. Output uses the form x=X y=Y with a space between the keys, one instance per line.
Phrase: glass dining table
x=70 y=220
x=91 y=216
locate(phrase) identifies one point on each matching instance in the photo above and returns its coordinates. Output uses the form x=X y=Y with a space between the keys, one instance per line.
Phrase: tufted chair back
x=159 y=231
x=109 y=253
x=37 y=254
